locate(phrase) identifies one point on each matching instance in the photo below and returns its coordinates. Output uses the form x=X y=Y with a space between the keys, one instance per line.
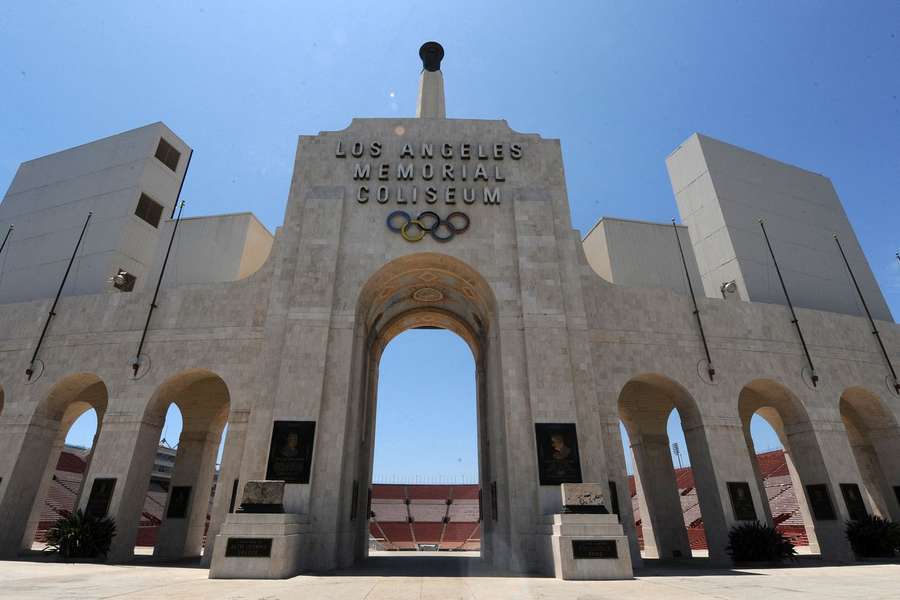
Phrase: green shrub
x=78 y=535
x=873 y=537
x=755 y=542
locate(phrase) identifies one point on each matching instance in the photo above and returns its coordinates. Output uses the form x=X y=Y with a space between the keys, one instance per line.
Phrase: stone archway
x=67 y=400
x=874 y=436
x=788 y=417
x=435 y=291
x=645 y=403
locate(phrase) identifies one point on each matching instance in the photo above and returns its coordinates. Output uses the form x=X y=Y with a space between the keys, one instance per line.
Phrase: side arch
x=645 y=403
x=874 y=436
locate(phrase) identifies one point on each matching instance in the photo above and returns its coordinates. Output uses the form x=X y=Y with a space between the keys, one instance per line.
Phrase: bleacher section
x=425 y=517
x=779 y=490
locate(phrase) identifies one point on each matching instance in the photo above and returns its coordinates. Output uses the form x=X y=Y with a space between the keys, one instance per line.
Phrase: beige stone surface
x=453 y=580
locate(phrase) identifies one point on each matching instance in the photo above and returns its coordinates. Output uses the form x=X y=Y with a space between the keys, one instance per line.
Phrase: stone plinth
x=589 y=546
x=245 y=539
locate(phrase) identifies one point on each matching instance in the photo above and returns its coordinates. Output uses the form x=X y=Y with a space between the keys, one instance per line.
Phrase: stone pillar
x=714 y=463
x=661 y=515
x=195 y=464
x=797 y=485
x=882 y=465
x=831 y=468
x=125 y=450
x=760 y=485
x=29 y=445
x=43 y=490
x=228 y=473
x=431 y=83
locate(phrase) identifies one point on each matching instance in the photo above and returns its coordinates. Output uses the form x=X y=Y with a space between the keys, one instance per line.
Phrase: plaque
x=557 y=451
x=234 y=487
x=101 y=495
x=495 y=512
x=614 y=499
x=179 y=498
x=249 y=547
x=897 y=493
x=354 y=500
x=594 y=549
x=741 y=501
x=290 y=455
x=820 y=502
x=856 y=508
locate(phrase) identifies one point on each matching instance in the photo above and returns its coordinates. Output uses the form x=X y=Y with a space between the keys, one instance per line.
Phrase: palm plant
x=80 y=535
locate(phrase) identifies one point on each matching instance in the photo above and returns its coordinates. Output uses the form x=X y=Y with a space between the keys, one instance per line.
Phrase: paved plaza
x=429 y=577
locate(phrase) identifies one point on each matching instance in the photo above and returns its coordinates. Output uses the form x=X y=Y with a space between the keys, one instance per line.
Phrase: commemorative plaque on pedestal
x=588 y=542
x=259 y=541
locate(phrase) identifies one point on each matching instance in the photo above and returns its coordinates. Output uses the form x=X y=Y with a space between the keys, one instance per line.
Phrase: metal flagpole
x=136 y=365
x=6 y=237
x=862 y=299
x=812 y=369
x=709 y=365
x=30 y=370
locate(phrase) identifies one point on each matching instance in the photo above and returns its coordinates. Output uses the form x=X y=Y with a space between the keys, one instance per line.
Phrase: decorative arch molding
x=202 y=397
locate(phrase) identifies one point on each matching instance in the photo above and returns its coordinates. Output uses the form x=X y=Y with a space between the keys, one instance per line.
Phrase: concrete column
x=125 y=450
x=760 y=485
x=661 y=514
x=829 y=468
x=881 y=469
x=228 y=473
x=800 y=493
x=30 y=447
x=195 y=464
x=431 y=96
x=714 y=464
x=618 y=473
x=43 y=490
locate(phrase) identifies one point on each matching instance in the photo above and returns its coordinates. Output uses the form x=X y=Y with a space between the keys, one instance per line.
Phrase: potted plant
x=873 y=537
x=755 y=542
x=79 y=535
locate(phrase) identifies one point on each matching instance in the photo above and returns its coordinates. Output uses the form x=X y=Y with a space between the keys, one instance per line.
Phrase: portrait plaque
x=249 y=547
x=495 y=512
x=557 y=451
x=897 y=493
x=614 y=499
x=101 y=496
x=234 y=487
x=354 y=500
x=179 y=498
x=741 y=501
x=594 y=549
x=856 y=508
x=290 y=455
x=820 y=502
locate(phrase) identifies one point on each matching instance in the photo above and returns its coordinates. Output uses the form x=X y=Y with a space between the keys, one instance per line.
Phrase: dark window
x=167 y=154
x=149 y=210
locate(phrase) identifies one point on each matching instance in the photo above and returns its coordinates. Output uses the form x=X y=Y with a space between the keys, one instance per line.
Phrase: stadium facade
x=464 y=225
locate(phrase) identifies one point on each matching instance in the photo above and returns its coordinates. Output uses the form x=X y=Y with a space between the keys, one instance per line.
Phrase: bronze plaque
x=614 y=498
x=856 y=508
x=290 y=455
x=820 y=502
x=495 y=512
x=594 y=549
x=179 y=499
x=101 y=496
x=557 y=450
x=896 y=492
x=741 y=501
x=249 y=547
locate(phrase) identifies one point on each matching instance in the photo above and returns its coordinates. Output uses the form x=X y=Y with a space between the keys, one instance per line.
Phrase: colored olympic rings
x=427 y=222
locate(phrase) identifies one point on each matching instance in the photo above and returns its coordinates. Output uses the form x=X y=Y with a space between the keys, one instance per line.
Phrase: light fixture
x=123 y=280
x=729 y=287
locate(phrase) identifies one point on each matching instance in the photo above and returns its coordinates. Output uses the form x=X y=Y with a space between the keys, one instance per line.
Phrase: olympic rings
x=427 y=222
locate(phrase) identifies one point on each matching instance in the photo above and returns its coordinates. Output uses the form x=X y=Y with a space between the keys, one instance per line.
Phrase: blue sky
x=620 y=83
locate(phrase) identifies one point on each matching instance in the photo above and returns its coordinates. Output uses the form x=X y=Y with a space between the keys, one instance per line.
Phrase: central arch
x=429 y=290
